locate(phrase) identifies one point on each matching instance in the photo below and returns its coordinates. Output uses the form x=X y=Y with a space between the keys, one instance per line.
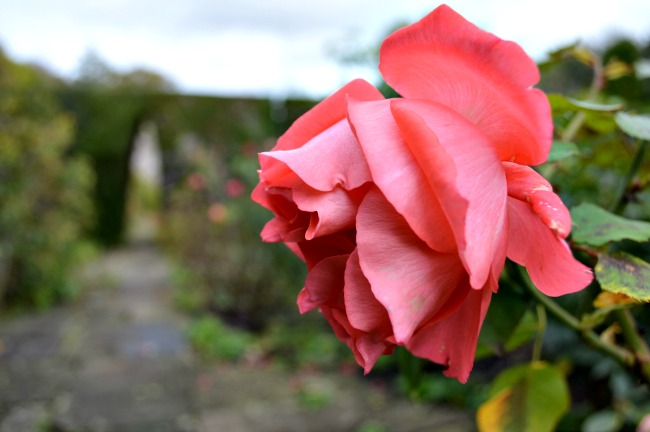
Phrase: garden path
x=119 y=361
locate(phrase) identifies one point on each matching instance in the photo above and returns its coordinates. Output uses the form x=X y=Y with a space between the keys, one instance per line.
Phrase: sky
x=282 y=48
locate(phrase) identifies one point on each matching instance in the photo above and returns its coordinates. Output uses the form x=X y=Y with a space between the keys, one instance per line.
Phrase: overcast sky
x=277 y=48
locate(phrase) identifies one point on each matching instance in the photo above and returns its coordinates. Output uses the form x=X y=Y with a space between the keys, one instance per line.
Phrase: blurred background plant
x=44 y=191
x=212 y=227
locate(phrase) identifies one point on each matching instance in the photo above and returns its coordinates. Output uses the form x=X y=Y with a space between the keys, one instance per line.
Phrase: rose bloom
x=196 y=181
x=234 y=188
x=404 y=210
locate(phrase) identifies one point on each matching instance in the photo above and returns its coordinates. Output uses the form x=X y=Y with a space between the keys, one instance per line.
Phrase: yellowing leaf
x=584 y=55
x=624 y=274
x=616 y=69
x=609 y=334
x=527 y=398
x=492 y=415
x=608 y=299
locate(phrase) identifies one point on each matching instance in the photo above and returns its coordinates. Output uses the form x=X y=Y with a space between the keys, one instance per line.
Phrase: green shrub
x=44 y=192
x=216 y=341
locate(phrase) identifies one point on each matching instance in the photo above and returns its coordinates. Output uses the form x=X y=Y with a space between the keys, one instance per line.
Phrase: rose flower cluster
x=404 y=210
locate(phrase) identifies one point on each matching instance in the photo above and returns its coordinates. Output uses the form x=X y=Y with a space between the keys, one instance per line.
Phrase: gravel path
x=119 y=361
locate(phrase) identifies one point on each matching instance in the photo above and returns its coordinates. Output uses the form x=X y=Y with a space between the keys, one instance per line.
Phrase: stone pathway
x=119 y=361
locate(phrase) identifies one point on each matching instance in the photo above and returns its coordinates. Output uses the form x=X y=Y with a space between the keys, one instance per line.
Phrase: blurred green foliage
x=44 y=191
x=212 y=228
x=214 y=340
x=596 y=170
x=307 y=344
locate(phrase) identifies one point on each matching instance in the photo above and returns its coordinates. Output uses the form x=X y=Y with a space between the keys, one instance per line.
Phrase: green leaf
x=524 y=332
x=501 y=322
x=600 y=121
x=623 y=273
x=526 y=398
x=603 y=421
x=636 y=126
x=559 y=103
x=596 y=227
x=593 y=106
x=562 y=150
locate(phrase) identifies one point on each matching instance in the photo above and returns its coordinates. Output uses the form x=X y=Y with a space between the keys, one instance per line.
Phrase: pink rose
x=234 y=188
x=196 y=181
x=404 y=210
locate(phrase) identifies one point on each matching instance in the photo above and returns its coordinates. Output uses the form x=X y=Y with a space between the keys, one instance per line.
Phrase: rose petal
x=281 y=230
x=547 y=258
x=324 y=288
x=276 y=199
x=365 y=347
x=260 y=196
x=447 y=59
x=366 y=314
x=398 y=174
x=293 y=247
x=319 y=148
x=467 y=177
x=363 y=310
x=409 y=279
x=452 y=341
x=552 y=211
x=371 y=348
x=342 y=329
x=330 y=212
x=275 y=173
x=325 y=115
x=527 y=185
x=329 y=159
x=290 y=224
x=324 y=284
x=340 y=243
x=523 y=180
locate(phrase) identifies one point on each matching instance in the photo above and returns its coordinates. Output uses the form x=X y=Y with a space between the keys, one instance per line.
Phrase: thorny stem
x=621 y=355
